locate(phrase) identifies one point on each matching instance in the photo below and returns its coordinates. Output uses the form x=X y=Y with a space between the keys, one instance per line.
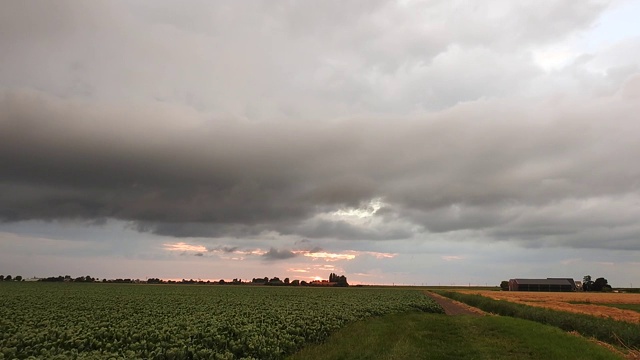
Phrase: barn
x=548 y=284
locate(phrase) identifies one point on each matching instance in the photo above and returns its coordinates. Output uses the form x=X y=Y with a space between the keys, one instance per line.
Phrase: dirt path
x=452 y=307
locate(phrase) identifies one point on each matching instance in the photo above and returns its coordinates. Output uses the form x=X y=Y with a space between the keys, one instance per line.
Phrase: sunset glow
x=330 y=256
x=181 y=246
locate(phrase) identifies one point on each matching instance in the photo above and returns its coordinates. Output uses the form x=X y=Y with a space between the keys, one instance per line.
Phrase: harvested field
x=588 y=302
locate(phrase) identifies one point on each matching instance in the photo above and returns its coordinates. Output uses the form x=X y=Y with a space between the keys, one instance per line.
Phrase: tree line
x=334 y=280
x=10 y=278
x=600 y=284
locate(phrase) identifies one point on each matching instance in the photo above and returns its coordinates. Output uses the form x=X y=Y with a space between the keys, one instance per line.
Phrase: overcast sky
x=416 y=142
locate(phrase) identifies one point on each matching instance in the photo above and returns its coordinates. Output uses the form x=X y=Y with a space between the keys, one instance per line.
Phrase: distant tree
x=303 y=283
x=295 y=283
x=587 y=284
x=8 y=278
x=601 y=284
x=1 y=277
x=286 y=281
x=221 y=282
x=341 y=281
x=18 y=278
x=504 y=285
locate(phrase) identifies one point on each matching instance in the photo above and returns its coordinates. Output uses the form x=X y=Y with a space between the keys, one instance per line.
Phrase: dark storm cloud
x=471 y=167
x=237 y=121
x=275 y=254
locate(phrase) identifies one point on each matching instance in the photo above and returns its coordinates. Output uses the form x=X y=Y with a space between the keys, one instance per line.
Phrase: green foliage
x=88 y=320
x=601 y=284
x=430 y=336
x=504 y=285
x=587 y=283
x=607 y=330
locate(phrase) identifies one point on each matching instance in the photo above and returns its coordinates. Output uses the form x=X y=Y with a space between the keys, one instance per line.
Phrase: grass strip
x=608 y=330
x=432 y=336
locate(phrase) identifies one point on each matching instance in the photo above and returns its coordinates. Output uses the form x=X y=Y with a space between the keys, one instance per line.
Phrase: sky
x=395 y=142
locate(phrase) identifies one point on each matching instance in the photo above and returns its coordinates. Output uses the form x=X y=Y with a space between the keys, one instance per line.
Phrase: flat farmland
x=576 y=302
x=165 y=322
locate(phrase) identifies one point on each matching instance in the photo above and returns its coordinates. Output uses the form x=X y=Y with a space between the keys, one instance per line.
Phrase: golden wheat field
x=563 y=301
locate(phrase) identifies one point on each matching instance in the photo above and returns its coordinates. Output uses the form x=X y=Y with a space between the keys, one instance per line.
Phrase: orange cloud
x=182 y=246
x=330 y=256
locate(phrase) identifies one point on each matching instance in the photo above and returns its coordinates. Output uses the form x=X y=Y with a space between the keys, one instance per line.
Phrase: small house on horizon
x=548 y=284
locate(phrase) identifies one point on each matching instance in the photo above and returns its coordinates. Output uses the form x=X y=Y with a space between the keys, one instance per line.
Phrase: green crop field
x=102 y=321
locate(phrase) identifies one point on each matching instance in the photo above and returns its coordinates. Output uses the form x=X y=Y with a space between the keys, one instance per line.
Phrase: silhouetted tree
x=18 y=278
x=601 y=284
x=342 y=281
x=504 y=285
x=1 y=277
x=8 y=278
x=587 y=284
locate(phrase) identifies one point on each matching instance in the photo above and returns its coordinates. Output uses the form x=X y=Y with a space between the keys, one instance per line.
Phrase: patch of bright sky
x=361 y=212
x=617 y=23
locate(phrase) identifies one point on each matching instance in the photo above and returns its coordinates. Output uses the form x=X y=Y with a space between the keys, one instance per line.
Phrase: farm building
x=548 y=284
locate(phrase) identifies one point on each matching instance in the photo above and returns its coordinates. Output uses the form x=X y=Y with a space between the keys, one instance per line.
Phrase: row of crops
x=101 y=321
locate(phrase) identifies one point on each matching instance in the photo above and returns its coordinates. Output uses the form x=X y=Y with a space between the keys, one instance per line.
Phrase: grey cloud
x=229 y=249
x=343 y=230
x=259 y=60
x=316 y=249
x=185 y=183
x=275 y=254
x=240 y=119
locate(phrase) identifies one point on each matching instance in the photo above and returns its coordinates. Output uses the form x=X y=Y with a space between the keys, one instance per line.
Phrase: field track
x=586 y=302
x=452 y=307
